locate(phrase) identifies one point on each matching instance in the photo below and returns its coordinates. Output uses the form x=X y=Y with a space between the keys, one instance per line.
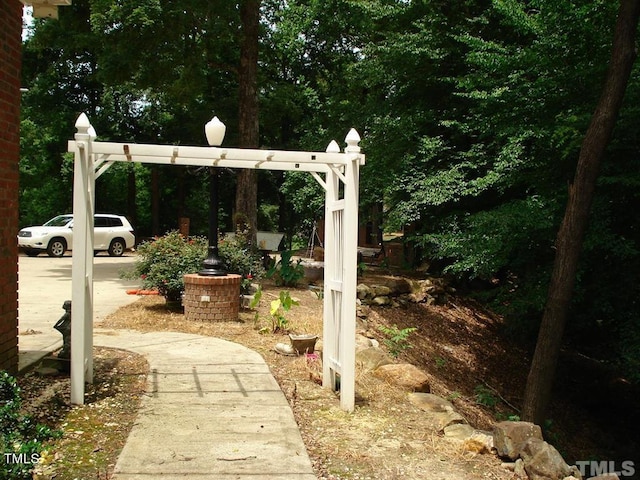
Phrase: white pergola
x=337 y=172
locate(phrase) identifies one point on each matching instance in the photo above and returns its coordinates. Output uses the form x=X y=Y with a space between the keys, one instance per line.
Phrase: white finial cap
x=352 y=139
x=83 y=124
x=333 y=147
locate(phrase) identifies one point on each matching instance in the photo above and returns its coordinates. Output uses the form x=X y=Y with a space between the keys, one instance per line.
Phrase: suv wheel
x=117 y=247
x=32 y=252
x=57 y=247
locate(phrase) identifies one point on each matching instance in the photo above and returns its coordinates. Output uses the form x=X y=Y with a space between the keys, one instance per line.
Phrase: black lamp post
x=213 y=265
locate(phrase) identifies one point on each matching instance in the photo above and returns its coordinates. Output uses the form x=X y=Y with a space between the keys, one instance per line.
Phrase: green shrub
x=164 y=261
x=285 y=272
x=239 y=258
x=397 y=340
x=484 y=396
x=21 y=439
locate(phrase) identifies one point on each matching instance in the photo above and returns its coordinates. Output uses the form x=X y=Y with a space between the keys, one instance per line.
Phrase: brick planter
x=211 y=299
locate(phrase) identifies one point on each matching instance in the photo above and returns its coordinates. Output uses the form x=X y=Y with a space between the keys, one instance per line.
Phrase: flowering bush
x=163 y=262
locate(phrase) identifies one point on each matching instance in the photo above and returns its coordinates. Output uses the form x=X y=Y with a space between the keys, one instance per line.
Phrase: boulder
x=362 y=342
x=362 y=311
x=371 y=358
x=405 y=376
x=381 y=301
x=542 y=461
x=440 y=410
x=510 y=437
x=430 y=402
x=443 y=420
x=380 y=290
x=459 y=432
x=363 y=291
x=478 y=442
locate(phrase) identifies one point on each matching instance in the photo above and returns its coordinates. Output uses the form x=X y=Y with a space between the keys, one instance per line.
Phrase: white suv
x=112 y=233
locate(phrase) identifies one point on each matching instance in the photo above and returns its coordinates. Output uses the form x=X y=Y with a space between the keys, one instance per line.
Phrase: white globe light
x=215 y=130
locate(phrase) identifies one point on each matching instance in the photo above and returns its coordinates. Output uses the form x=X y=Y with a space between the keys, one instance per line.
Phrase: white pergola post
x=82 y=264
x=340 y=273
x=340 y=182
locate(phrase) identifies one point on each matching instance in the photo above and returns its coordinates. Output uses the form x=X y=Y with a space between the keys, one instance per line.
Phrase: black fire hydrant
x=64 y=327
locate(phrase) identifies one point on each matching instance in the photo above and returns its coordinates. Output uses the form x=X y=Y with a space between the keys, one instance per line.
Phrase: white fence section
x=341 y=178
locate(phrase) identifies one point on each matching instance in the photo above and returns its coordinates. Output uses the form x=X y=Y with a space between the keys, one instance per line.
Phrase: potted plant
x=300 y=343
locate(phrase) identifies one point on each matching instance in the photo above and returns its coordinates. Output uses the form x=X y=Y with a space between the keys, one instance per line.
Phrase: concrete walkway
x=213 y=411
x=44 y=283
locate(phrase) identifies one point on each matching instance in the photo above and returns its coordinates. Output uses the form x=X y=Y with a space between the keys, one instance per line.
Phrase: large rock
x=404 y=375
x=363 y=291
x=459 y=432
x=371 y=358
x=430 y=402
x=380 y=290
x=542 y=461
x=381 y=301
x=443 y=420
x=510 y=437
x=363 y=342
x=479 y=442
x=440 y=411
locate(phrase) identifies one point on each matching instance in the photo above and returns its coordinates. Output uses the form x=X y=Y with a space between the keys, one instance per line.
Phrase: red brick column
x=10 y=63
x=211 y=299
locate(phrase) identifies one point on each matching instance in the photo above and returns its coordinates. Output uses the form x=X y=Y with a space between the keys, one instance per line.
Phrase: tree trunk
x=247 y=186
x=574 y=224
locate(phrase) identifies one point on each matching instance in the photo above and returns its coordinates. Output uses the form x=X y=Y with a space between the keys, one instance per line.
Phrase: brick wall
x=222 y=295
x=10 y=55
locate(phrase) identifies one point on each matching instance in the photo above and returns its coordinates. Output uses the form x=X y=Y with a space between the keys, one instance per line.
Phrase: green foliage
x=483 y=243
x=278 y=308
x=472 y=117
x=285 y=272
x=397 y=340
x=440 y=362
x=361 y=268
x=453 y=396
x=163 y=261
x=19 y=434
x=239 y=258
x=484 y=396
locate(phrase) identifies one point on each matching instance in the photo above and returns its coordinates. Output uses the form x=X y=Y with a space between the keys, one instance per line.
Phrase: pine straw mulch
x=386 y=437
x=458 y=345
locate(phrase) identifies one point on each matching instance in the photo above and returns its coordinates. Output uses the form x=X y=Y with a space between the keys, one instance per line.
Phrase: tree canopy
x=472 y=114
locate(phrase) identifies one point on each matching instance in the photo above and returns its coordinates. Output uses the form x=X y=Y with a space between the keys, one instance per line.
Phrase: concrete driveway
x=44 y=283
